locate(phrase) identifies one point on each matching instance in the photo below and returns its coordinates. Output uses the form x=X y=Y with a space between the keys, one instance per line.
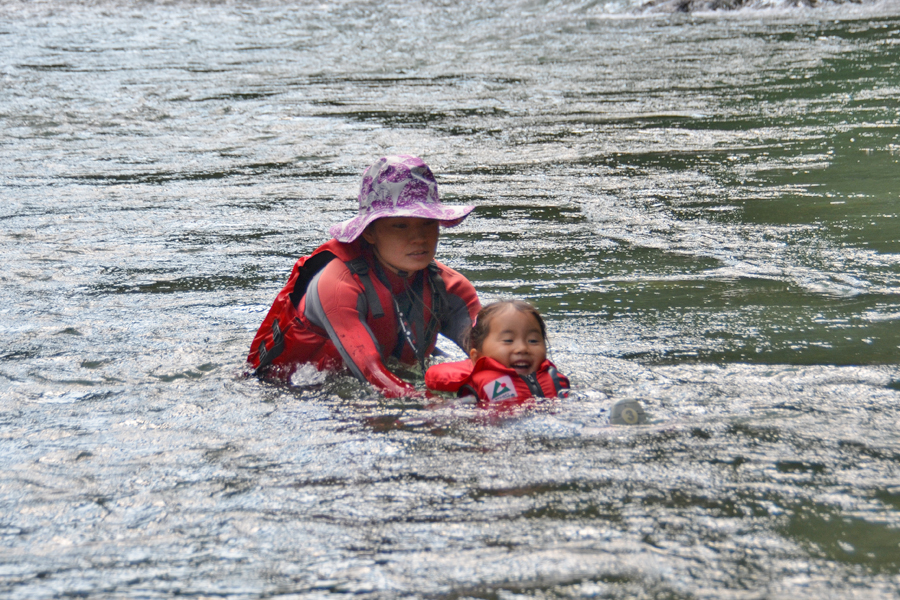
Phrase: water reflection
x=708 y=227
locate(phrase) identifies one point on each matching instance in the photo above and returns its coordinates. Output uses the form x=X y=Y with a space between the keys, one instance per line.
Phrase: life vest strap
x=438 y=298
x=561 y=390
x=267 y=356
x=359 y=267
x=439 y=302
x=534 y=386
x=467 y=390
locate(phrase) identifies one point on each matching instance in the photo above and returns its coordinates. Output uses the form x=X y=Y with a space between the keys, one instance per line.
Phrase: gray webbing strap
x=360 y=268
x=267 y=356
x=557 y=382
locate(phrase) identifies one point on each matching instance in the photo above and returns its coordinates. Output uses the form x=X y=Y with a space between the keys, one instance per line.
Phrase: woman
x=384 y=296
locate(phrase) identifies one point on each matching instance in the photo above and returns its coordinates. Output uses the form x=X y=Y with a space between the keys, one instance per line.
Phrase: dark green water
x=704 y=206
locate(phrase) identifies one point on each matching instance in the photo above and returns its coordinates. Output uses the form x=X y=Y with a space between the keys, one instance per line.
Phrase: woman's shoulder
x=453 y=279
x=344 y=272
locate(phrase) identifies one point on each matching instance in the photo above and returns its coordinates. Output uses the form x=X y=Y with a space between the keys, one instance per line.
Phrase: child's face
x=515 y=341
x=403 y=243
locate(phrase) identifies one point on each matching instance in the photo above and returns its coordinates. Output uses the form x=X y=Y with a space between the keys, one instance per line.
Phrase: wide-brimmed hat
x=398 y=186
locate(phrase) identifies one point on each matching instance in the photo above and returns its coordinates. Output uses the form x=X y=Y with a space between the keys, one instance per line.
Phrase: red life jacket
x=357 y=323
x=269 y=341
x=493 y=384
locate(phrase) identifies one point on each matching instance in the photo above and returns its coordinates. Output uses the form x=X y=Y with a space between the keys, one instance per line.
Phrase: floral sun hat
x=398 y=186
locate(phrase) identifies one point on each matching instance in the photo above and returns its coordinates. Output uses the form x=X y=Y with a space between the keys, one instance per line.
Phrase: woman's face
x=514 y=340
x=403 y=243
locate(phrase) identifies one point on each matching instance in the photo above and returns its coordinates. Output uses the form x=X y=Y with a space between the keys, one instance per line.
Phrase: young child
x=508 y=359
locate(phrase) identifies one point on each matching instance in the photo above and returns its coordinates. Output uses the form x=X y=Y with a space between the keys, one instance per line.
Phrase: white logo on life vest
x=499 y=389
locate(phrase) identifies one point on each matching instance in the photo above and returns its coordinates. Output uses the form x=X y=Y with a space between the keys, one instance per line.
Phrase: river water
x=703 y=204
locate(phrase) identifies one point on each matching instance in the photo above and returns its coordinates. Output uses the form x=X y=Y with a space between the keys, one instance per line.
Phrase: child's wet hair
x=482 y=327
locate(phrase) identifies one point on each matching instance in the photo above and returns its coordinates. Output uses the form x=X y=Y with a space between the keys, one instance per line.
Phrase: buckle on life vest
x=533 y=384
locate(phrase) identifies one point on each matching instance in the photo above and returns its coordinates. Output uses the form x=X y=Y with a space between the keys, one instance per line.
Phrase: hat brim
x=447 y=216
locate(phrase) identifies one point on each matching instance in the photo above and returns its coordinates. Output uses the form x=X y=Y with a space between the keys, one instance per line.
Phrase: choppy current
x=703 y=204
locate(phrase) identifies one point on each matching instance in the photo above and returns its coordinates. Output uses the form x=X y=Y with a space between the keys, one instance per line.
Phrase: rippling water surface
x=704 y=205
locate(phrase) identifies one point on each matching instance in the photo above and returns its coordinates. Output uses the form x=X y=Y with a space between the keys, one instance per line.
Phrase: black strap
x=438 y=292
x=267 y=356
x=467 y=390
x=557 y=382
x=360 y=268
x=311 y=266
x=439 y=303
x=533 y=385
x=417 y=314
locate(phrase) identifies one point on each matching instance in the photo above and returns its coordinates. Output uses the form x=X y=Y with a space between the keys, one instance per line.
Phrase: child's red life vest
x=492 y=383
